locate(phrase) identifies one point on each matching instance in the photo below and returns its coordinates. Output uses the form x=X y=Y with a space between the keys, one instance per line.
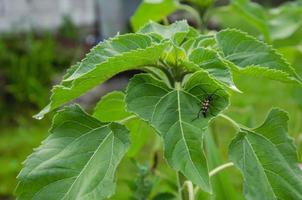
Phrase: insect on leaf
x=171 y=112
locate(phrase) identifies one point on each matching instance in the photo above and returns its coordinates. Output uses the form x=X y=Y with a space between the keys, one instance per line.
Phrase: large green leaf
x=112 y=108
x=171 y=111
x=268 y=160
x=77 y=161
x=155 y=10
x=125 y=52
x=248 y=55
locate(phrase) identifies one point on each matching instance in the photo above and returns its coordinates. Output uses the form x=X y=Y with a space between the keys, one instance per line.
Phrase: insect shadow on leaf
x=206 y=103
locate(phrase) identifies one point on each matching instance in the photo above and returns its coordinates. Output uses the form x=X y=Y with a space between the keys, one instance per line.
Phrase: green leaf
x=209 y=60
x=268 y=160
x=274 y=24
x=175 y=32
x=130 y=51
x=155 y=10
x=171 y=111
x=202 y=41
x=174 y=56
x=285 y=20
x=254 y=14
x=77 y=161
x=243 y=51
x=111 y=108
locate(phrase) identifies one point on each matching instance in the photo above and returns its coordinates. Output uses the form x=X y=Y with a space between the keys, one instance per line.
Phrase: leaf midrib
x=88 y=162
x=180 y=124
x=284 y=160
x=259 y=163
x=183 y=136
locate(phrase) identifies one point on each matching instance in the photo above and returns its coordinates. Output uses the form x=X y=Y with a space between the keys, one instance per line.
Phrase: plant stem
x=177 y=85
x=166 y=21
x=122 y=121
x=180 y=184
x=190 y=188
x=220 y=168
x=215 y=171
x=185 y=187
x=235 y=124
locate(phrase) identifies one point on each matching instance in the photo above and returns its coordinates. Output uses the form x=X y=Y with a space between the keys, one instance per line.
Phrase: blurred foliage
x=29 y=65
x=15 y=145
x=271 y=24
x=160 y=10
x=152 y=10
x=68 y=29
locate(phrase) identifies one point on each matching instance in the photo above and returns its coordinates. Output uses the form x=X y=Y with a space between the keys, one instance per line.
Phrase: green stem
x=220 y=168
x=185 y=188
x=180 y=184
x=235 y=124
x=166 y=21
x=215 y=171
x=177 y=85
x=122 y=121
x=190 y=188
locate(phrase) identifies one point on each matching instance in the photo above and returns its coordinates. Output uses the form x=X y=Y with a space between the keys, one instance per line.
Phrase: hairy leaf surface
x=268 y=160
x=175 y=32
x=77 y=161
x=130 y=51
x=245 y=51
x=171 y=111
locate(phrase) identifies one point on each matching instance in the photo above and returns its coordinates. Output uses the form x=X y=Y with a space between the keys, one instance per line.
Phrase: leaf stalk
x=220 y=168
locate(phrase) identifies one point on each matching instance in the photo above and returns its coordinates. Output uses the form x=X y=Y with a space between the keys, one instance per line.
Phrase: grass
x=15 y=145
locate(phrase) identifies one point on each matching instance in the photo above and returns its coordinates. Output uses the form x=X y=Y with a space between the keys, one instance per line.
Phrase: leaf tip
x=234 y=88
x=42 y=113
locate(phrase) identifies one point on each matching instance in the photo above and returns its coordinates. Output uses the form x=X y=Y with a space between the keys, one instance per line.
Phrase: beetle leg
x=197 y=115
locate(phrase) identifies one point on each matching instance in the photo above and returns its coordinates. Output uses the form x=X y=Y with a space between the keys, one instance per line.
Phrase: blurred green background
x=35 y=58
